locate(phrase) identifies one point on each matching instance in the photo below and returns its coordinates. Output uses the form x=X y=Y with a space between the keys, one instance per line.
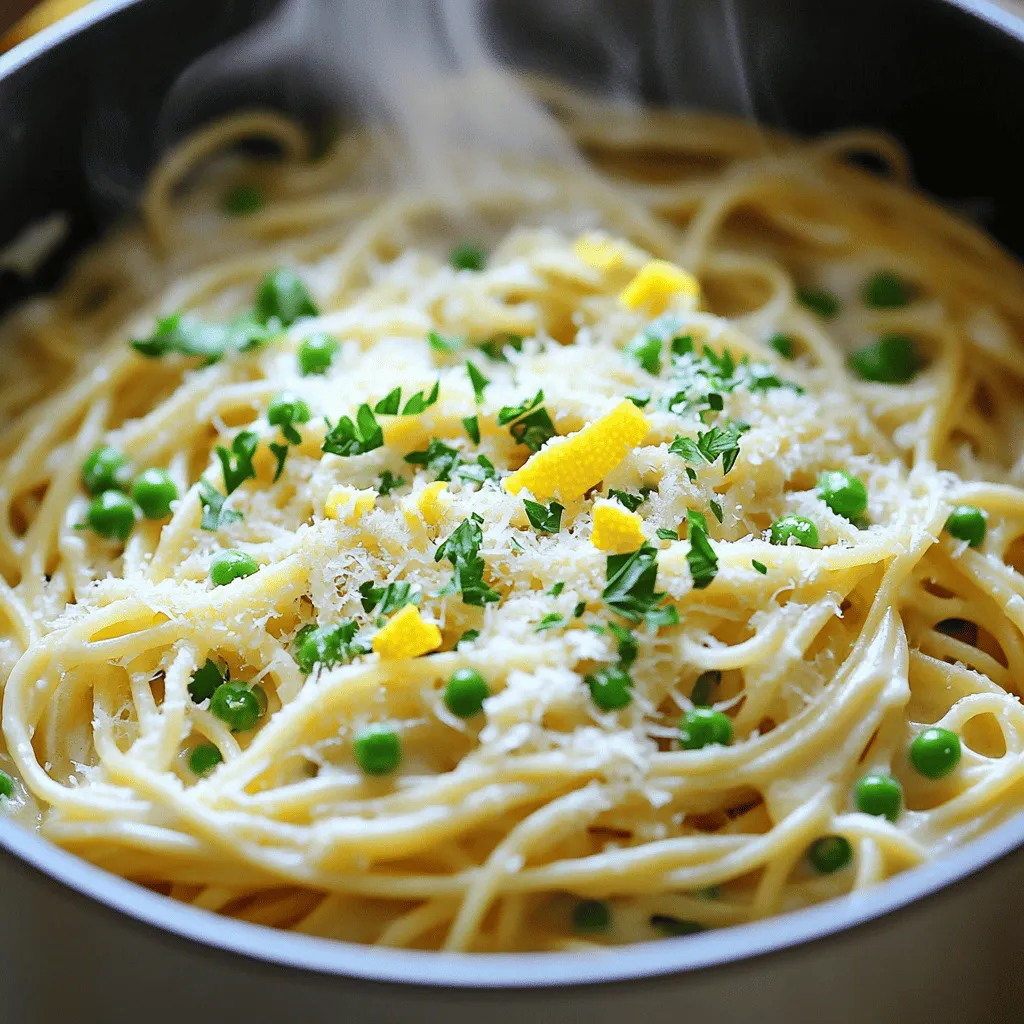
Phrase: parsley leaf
x=280 y=453
x=666 y=534
x=716 y=507
x=418 y=403
x=388 y=482
x=759 y=566
x=390 y=597
x=646 y=350
x=696 y=520
x=472 y=425
x=237 y=463
x=530 y=423
x=478 y=380
x=462 y=549
x=701 y=692
x=625 y=642
x=701 y=558
x=546 y=520
x=327 y=645
x=630 y=586
x=478 y=473
x=215 y=515
x=557 y=588
x=205 y=680
x=389 y=404
x=444 y=343
x=494 y=348
x=282 y=296
x=346 y=438
x=580 y=608
x=508 y=413
x=437 y=457
x=631 y=501
x=188 y=336
x=468 y=637
x=549 y=622
x=712 y=444
x=640 y=398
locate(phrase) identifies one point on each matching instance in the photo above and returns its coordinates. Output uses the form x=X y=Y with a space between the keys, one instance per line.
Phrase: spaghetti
x=652 y=568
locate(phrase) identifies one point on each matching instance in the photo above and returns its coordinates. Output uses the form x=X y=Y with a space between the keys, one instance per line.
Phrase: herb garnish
x=462 y=549
x=546 y=520
x=346 y=438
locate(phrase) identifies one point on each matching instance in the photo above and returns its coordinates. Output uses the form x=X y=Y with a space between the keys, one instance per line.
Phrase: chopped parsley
x=549 y=622
x=346 y=438
x=696 y=520
x=629 y=590
x=388 y=482
x=759 y=566
x=646 y=350
x=389 y=598
x=640 y=397
x=711 y=444
x=468 y=256
x=280 y=453
x=390 y=403
x=664 y=533
x=205 y=680
x=467 y=638
x=472 y=425
x=701 y=557
x=237 y=463
x=215 y=515
x=546 y=520
x=529 y=422
x=442 y=343
x=631 y=501
x=327 y=645
x=557 y=589
x=187 y=336
x=462 y=549
x=282 y=297
x=701 y=692
x=478 y=380
x=418 y=403
x=580 y=608
x=494 y=348
x=716 y=507
x=483 y=469
x=437 y=457
x=625 y=643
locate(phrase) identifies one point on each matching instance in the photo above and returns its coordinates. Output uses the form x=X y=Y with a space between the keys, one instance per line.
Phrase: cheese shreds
x=569 y=468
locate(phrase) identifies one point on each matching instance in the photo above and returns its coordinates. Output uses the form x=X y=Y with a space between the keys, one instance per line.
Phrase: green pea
x=466 y=692
x=204 y=758
x=106 y=469
x=935 y=752
x=316 y=354
x=887 y=290
x=231 y=565
x=6 y=785
x=468 y=256
x=112 y=515
x=878 y=794
x=829 y=854
x=890 y=360
x=287 y=408
x=843 y=493
x=819 y=300
x=799 y=528
x=591 y=916
x=236 y=705
x=378 y=750
x=702 y=727
x=967 y=523
x=243 y=200
x=783 y=344
x=153 y=491
x=611 y=688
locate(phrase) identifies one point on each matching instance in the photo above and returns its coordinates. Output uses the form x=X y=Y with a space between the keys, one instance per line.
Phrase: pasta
x=650 y=565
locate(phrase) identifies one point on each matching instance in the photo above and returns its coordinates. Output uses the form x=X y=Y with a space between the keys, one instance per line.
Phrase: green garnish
x=829 y=854
x=389 y=598
x=6 y=785
x=783 y=344
x=529 y=422
x=759 y=566
x=646 y=350
x=626 y=645
x=696 y=519
x=465 y=693
x=378 y=750
x=640 y=398
x=215 y=515
x=716 y=507
x=711 y=444
x=935 y=752
x=798 y=528
x=202 y=759
x=467 y=638
x=112 y=515
x=477 y=473
x=887 y=290
x=205 y=681
x=417 y=403
x=631 y=501
x=462 y=549
x=818 y=300
x=878 y=794
x=441 y=343
x=231 y=565
x=675 y=926
x=282 y=296
x=700 y=695
x=153 y=491
x=702 y=727
x=478 y=380
x=280 y=454
x=843 y=493
x=580 y=608
x=701 y=557
x=388 y=482
x=187 y=336
x=557 y=588
x=890 y=360
x=611 y=687
x=591 y=916
x=237 y=463
x=437 y=457
x=472 y=425
x=546 y=520
x=236 y=705
x=664 y=533
x=468 y=256
x=629 y=590
x=316 y=353
x=346 y=438
x=494 y=348
x=243 y=199
x=549 y=621
x=327 y=645
x=390 y=403
x=967 y=523
x=285 y=410
x=106 y=469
